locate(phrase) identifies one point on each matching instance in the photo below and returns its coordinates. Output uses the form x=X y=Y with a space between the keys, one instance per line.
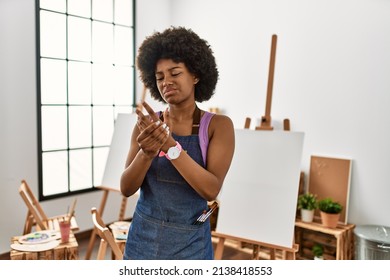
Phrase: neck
x=182 y=113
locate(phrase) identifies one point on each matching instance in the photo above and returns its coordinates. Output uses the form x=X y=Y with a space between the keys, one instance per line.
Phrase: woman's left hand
x=153 y=132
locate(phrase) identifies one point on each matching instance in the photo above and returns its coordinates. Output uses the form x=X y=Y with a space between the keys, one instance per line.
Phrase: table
x=64 y=251
x=119 y=231
x=342 y=234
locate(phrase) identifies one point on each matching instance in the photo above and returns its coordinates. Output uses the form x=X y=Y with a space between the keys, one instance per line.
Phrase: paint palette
x=39 y=237
x=36 y=247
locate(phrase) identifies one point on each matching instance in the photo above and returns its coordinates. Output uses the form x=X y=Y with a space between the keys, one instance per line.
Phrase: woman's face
x=174 y=82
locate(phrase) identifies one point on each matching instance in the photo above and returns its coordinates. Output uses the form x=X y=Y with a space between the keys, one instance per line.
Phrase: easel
x=266 y=119
x=122 y=210
x=287 y=253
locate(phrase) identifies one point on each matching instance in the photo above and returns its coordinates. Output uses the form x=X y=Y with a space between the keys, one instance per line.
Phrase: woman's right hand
x=153 y=132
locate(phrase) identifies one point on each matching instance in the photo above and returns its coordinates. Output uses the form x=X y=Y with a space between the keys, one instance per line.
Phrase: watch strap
x=161 y=154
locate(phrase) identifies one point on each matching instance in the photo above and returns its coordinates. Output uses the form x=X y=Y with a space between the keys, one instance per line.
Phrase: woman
x=179 y=158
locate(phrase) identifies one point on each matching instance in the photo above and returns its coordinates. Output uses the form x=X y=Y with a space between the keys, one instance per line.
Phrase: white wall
x=330 y=81
x=18 y=115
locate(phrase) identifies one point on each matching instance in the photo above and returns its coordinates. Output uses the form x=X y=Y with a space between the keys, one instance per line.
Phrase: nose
x=167 y=82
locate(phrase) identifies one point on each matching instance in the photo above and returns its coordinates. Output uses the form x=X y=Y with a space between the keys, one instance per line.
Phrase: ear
x=196 y=80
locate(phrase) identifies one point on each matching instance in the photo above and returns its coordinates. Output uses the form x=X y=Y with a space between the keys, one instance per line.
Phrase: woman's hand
x=153 y=132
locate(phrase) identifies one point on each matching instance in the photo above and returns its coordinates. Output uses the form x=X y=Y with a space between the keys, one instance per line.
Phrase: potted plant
x=318 y=252
x=330 y=212
x=307 y=203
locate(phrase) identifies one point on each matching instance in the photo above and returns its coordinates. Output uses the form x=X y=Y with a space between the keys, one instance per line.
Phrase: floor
x=232 y=250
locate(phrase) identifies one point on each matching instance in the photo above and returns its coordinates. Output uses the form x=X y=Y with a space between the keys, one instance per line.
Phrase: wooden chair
x=36 y=217
x=106 y=192
x=107 y=238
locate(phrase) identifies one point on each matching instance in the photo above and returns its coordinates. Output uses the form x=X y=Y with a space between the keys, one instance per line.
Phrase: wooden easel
x=122 y=210
x=287 y=253
x=266 y=119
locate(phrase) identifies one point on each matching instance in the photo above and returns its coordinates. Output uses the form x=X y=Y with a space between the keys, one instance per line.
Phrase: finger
x=153 y=143
x=143 y=121
x=142 y=100
x=167 y=120
x=151 y=112
x=153 y=130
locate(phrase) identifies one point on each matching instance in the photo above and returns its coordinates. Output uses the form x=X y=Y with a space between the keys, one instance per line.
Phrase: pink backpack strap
x=204 y=134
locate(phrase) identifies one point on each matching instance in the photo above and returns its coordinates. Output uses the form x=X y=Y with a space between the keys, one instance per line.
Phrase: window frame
x=39 y=104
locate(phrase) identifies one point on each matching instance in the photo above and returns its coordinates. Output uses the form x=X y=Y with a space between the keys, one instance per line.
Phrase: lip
x=169 y=91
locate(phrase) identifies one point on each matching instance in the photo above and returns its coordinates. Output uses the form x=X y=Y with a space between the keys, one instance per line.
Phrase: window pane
x=80 y=124
x=80 y=169
x=102 y=10
x=102 y=84
x=103 y=125
x=54 y=128
x=53 y=81
x=86 y=76
x=80 y=7
x=55 y=5
x=123 y=46
x=124 y=12
x=55 y=172
x=79 y=83
x=123 y=85
x=53 y=34
x=79 y=39
x=102 y=39
x=99 y=163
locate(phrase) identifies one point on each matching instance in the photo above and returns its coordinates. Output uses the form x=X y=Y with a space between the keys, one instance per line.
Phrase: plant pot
x=307 y=215
x=329 y=220
x=319 y=258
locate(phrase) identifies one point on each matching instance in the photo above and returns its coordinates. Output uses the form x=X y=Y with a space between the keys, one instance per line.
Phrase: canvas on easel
x=331 y=177
x=259 y=194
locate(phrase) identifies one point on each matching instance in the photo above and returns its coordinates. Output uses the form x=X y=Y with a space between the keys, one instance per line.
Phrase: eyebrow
x=170 y=69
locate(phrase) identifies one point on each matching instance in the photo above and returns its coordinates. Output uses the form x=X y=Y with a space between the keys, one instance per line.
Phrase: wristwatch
x=173 y=152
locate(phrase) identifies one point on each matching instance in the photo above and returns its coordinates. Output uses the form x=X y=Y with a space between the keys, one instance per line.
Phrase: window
x=85 y=78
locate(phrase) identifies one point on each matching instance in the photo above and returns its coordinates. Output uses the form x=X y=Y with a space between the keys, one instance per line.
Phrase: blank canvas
x=115 y=164
x=119 y=148
x=259 y=195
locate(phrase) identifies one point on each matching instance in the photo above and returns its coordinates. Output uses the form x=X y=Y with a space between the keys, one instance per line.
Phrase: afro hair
x=181 y=45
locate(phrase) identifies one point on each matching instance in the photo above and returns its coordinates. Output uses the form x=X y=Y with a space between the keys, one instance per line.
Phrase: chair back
x=107 y=238
x=35 y=214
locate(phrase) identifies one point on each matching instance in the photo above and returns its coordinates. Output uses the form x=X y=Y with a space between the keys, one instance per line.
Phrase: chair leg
x=91 y=244
x=102 y=250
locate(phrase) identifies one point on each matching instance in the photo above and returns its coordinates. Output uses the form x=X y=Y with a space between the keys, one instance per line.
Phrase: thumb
x=167 y=119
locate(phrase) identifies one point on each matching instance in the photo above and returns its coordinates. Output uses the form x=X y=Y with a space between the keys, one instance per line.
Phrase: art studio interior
x=304 y=82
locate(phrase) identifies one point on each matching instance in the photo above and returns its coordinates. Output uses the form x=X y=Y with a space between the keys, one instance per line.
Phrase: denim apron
x=162 y=226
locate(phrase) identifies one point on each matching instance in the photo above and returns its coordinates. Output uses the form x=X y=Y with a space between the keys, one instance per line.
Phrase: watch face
x=173 y=152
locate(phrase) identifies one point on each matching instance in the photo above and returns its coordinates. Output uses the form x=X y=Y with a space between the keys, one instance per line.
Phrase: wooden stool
x=64 y=251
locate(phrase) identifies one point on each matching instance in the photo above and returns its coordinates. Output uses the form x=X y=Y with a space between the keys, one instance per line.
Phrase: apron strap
x=195 y=120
